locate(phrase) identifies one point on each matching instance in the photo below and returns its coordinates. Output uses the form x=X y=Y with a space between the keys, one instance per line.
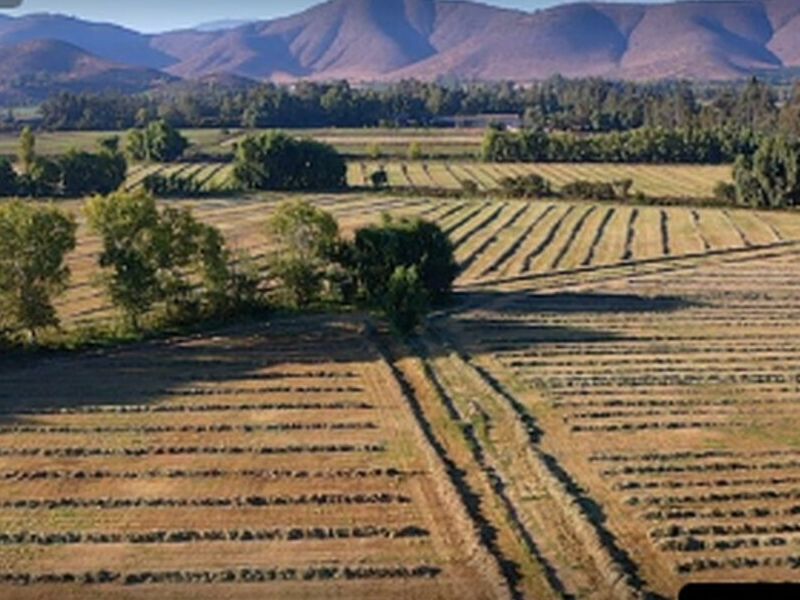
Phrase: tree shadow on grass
x=138 y=376
x=571 y=302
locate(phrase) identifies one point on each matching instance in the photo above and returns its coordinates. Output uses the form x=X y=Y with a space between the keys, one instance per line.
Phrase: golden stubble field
x=667 y=395
x=281 y=460
x=608 y=411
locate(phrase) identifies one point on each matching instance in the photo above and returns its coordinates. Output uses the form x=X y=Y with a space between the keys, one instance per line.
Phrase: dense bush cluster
x=74 y=174
x=598 y=190
x=526 y=186
x=401 y=267
x=647 y=145
x=159 y=141
x=172 y=186
x=276 y=161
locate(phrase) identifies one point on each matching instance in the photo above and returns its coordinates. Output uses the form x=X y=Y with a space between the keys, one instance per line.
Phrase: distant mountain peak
x=385 y=40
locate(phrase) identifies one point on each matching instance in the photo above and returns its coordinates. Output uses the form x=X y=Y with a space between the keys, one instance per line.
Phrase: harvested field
x=681 y=181
x=282 y=460
x=509 y=241
x=666 y=392
x=689 y=181
x=609 y=411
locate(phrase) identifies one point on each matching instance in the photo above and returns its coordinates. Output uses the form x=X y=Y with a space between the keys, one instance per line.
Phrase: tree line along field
x=494 y=240
x=281 y=460
x=681 y=181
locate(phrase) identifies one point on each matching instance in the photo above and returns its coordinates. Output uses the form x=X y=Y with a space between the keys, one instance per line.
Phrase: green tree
x=34 y=242
x=378 y=250
x=27 y=150
x=771 y=178
x=159 y=142
x=126 y=224
x=231 y=283
x=276 y=161
x=165 y=143
x=415 y=151
x=84 y=173
x=406 y=301
x=9 y=183
x=136 y=145
x=42 y=180
x=166 y=257
x=306 y=239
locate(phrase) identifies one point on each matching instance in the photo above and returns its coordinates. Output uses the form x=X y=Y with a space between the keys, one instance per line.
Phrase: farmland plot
x=510 y=241
x=280 y=461
x=687 y=181
x=670 y=397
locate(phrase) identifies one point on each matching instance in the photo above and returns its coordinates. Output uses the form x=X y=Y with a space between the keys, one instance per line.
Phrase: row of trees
x=74 y=174
x=581 y=105
x=164 y=265
x=646 y=145
x=150 y=257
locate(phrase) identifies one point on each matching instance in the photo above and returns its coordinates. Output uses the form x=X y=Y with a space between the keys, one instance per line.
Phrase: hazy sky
x=160 y=15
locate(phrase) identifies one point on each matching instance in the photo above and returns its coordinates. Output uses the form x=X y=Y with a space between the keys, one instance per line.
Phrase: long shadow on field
x=570 y=302
x=135 y=378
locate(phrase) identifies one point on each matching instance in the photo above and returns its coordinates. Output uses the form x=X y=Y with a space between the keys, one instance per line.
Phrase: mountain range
x=387 y=40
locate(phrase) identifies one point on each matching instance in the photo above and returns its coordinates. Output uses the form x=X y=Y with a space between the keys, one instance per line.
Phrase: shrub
x=725 y=192
x=379 y=179
x=406 y=301
x=469 y=187
x=526 y=186
x=589 y=190
x=415 y=151
x=171 y=186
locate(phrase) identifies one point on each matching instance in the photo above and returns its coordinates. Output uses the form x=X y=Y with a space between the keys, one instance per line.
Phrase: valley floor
x=608 y=411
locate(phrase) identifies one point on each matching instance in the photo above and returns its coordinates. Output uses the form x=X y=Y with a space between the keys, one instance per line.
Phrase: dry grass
x=288 y=447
